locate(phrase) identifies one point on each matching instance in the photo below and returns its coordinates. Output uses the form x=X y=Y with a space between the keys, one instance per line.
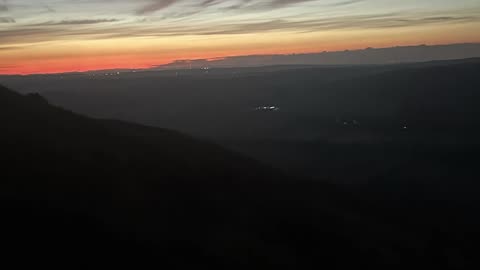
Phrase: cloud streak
x=7 y=20
x=114 y=29
x=10 y=48
x=80 y=22
x=3 y=6
x=155 y=5
x=245 y=5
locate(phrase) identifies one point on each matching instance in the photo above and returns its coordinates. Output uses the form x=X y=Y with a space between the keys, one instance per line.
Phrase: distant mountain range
x=369 y=56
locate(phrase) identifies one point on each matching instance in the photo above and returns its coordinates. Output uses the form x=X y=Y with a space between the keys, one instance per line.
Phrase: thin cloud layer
x=85 y=21
x=7 y=20
x=116 y=28
x=155 y=5
x=3 y=6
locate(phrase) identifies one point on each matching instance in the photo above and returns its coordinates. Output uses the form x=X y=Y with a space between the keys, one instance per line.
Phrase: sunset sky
x=45 y=36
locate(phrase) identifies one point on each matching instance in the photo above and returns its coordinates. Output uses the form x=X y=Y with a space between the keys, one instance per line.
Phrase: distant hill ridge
x=369 y=56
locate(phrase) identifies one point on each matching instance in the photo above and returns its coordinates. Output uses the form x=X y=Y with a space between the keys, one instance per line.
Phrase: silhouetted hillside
x=83 y=189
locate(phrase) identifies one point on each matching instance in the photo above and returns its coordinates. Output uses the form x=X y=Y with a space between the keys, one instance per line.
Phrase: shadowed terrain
x=84 y=189
x=329 y=118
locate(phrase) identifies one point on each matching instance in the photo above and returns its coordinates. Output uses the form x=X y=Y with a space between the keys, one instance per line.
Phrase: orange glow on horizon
x=87 y=55
x=99 y=34
x=106 y=62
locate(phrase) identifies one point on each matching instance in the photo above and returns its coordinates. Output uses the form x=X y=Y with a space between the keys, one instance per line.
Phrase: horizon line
x=213 y=59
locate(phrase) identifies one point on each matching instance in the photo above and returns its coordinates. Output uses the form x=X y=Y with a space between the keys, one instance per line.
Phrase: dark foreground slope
x=95 y=192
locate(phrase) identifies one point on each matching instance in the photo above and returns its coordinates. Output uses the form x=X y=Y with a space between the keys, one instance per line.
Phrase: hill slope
x=85 y=190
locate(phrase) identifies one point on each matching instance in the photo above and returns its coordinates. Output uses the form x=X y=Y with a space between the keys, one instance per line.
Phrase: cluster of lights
x=112 y=74
x=106 y=74
x=267 y=108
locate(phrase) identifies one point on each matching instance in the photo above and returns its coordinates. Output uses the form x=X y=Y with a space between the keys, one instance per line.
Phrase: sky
x=49 y=36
